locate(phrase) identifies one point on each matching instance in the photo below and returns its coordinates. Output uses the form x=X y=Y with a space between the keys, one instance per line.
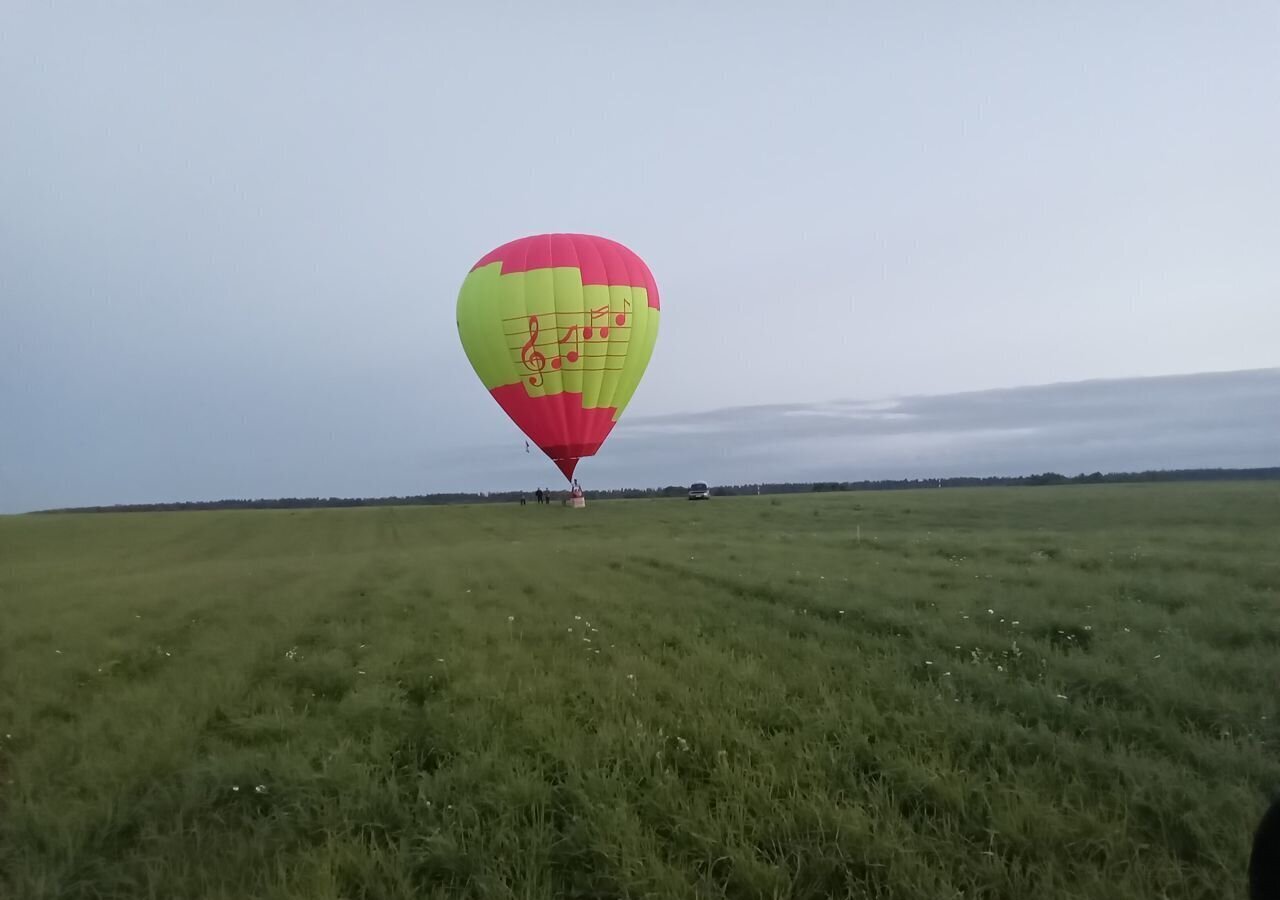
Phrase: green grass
x=1015 y=693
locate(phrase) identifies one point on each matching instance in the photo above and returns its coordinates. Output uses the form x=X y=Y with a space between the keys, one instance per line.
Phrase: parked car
x=699 y=491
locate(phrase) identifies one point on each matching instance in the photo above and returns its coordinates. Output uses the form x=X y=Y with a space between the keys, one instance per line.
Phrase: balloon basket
x=578 y=502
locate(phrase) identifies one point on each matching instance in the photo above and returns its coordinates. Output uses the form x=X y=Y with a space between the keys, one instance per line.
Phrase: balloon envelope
x=560 y=328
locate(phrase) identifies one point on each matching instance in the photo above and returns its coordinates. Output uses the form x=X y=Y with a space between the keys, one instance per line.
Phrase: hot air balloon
x=560 y=328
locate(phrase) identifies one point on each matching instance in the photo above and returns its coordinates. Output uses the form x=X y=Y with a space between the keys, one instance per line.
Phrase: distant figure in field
x=522 y=498
x=538 y=494
x=1264 y=861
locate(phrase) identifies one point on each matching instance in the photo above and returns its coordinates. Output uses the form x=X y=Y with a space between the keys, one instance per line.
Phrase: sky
x=232 y=236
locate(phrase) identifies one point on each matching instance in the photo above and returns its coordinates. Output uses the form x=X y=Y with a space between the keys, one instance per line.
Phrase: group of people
x=543 y=495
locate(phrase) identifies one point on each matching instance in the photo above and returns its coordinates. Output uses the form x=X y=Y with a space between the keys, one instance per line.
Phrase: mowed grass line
x=1060 y=692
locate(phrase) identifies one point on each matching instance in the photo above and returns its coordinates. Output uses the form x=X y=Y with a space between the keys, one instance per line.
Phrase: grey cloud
x=1227 y=419
x=1209 y=420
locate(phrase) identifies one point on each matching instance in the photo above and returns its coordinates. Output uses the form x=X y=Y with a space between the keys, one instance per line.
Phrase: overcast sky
x=231 y=236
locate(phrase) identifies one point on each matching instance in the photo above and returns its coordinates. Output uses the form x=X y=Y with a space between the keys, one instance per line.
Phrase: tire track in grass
x=767 y=594
x=1045 y=645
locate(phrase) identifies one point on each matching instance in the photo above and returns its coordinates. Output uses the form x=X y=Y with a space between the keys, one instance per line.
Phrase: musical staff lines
x=569 y=342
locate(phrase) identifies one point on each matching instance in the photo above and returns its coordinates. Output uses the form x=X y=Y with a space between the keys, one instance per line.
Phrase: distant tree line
x=791 y=487
x=1044 y=478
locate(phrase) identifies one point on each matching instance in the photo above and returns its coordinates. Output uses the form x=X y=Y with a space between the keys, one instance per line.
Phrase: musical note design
x=548 y=337
x=599 y=312
x=532 y=358
x=572 y=355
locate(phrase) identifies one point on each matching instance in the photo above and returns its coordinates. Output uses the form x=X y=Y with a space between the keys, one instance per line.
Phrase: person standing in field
x=538 y=494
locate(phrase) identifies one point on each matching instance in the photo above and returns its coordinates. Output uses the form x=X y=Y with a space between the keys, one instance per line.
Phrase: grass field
x=1015 y=693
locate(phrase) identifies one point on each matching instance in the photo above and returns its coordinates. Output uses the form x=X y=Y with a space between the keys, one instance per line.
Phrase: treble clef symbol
x=532 y=358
